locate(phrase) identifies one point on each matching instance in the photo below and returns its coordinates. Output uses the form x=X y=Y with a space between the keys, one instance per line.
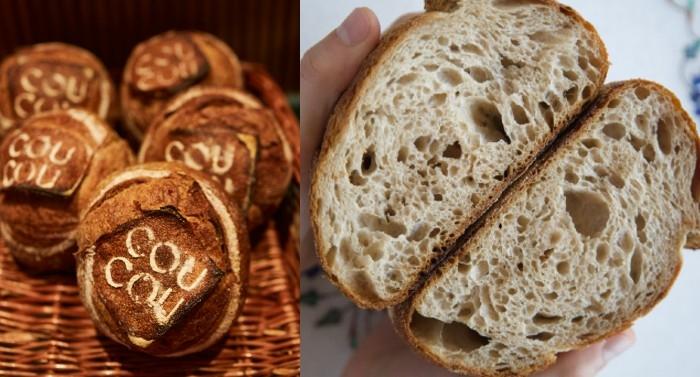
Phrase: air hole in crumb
x=488 y=121
x=434 y=232
x=616 y=180
x=601 y=253
x=479 y=74
x=636 y=265
x=480 y=270
x=402 y=155
x=640 y=223
x=614 y=130
x=519 y=113
x=664 y=136
x=422 y=142
x=453 y=150
x=587 y=92
x=563 y=268
x=431 y=67
x=450 y=76
x=442 y=40
x=357 y=179
x=551 y=296
x=614 y=103
x=454 y=336
x=571 y=75
x=545 y=255
x=437 y=99
x=547 y=114
x=642 y=122
x=507 y=62
x=571 y=95
x=588 y=211
x=472 y=48
x=641 y=92
x=437 y=197
x=571 y=177
x=407 y=78
x=591 y=143
x=369 y=164
x=378 y=224
x=542 y=337
x=649 y=153
x=637 y=143
x=542 y=319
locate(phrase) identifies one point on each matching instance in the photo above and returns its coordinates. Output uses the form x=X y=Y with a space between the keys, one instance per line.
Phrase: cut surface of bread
x=586 y=242
x=448 y=110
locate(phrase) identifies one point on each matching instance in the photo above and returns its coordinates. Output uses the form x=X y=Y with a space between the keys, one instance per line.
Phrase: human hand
x=326 y=70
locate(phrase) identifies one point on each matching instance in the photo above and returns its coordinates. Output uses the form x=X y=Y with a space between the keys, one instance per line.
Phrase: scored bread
x=588 y=240
x=451 y=107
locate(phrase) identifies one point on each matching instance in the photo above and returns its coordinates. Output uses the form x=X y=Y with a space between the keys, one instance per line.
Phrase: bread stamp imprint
x=228 y=158
x=43 y=159
x=166 y=63
x=151 y=273
x=44 y=86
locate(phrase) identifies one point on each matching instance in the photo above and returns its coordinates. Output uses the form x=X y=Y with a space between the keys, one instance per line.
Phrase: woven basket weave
x=45 y=330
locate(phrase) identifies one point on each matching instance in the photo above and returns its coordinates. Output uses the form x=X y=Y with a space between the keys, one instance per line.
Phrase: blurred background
x=261 y=31
x=652 y=39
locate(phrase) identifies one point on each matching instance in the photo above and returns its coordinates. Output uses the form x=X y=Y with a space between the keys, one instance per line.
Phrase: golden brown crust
x=167 y=224
x=52 y=76
x=227 y=134
x=401 y=314
x=340 y=118
x=259 y=83
x=69 y=151
x=168 y=64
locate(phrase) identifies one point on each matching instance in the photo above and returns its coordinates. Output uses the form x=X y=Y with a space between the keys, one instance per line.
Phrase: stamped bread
x=588 y=240
x=451 y=107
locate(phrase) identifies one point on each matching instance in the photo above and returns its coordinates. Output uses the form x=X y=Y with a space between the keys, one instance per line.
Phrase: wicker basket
x=45 y=331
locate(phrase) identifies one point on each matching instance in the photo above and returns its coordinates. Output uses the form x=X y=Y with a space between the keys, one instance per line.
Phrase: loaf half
x=450 y=108
x=586 y=242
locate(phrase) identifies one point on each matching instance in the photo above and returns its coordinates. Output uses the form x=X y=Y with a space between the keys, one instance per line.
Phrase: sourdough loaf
x=50 y=165
x=168 y=64
x=586 y=242
x=229 y=135
x=163 y=259
x=53 y=76
x=451 y=107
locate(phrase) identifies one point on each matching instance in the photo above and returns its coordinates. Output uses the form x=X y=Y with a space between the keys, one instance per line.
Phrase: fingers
x=326 y=70
x=382 y=353
x=591 y=360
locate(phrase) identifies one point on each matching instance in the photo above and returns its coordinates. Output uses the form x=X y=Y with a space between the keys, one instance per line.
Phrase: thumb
x=325 y=71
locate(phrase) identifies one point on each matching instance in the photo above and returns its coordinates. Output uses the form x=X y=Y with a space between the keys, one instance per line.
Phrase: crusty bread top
x=175 y=228
x=451 y=107
x=53 y=76
x=586 y=242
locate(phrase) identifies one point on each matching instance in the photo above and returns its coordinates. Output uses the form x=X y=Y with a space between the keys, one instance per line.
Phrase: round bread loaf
x=163 y=259
x=53 y=76
x=50 y=164
x=168 y=64
x=230 y=136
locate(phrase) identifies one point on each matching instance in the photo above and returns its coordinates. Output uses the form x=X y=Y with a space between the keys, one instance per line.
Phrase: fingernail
x=617 y=345
x=354 y=29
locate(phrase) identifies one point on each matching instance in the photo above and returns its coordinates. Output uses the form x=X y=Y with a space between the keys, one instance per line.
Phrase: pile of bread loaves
x=162 y=245
x=480 y=181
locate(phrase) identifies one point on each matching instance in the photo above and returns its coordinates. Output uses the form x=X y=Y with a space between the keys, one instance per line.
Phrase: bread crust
x=340 y=118
x=77 y=67
x=401 y=314
x=218 y=65
x=201 y=208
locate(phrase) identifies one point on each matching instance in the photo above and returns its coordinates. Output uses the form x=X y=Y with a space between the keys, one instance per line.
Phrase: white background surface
x=644 y=38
